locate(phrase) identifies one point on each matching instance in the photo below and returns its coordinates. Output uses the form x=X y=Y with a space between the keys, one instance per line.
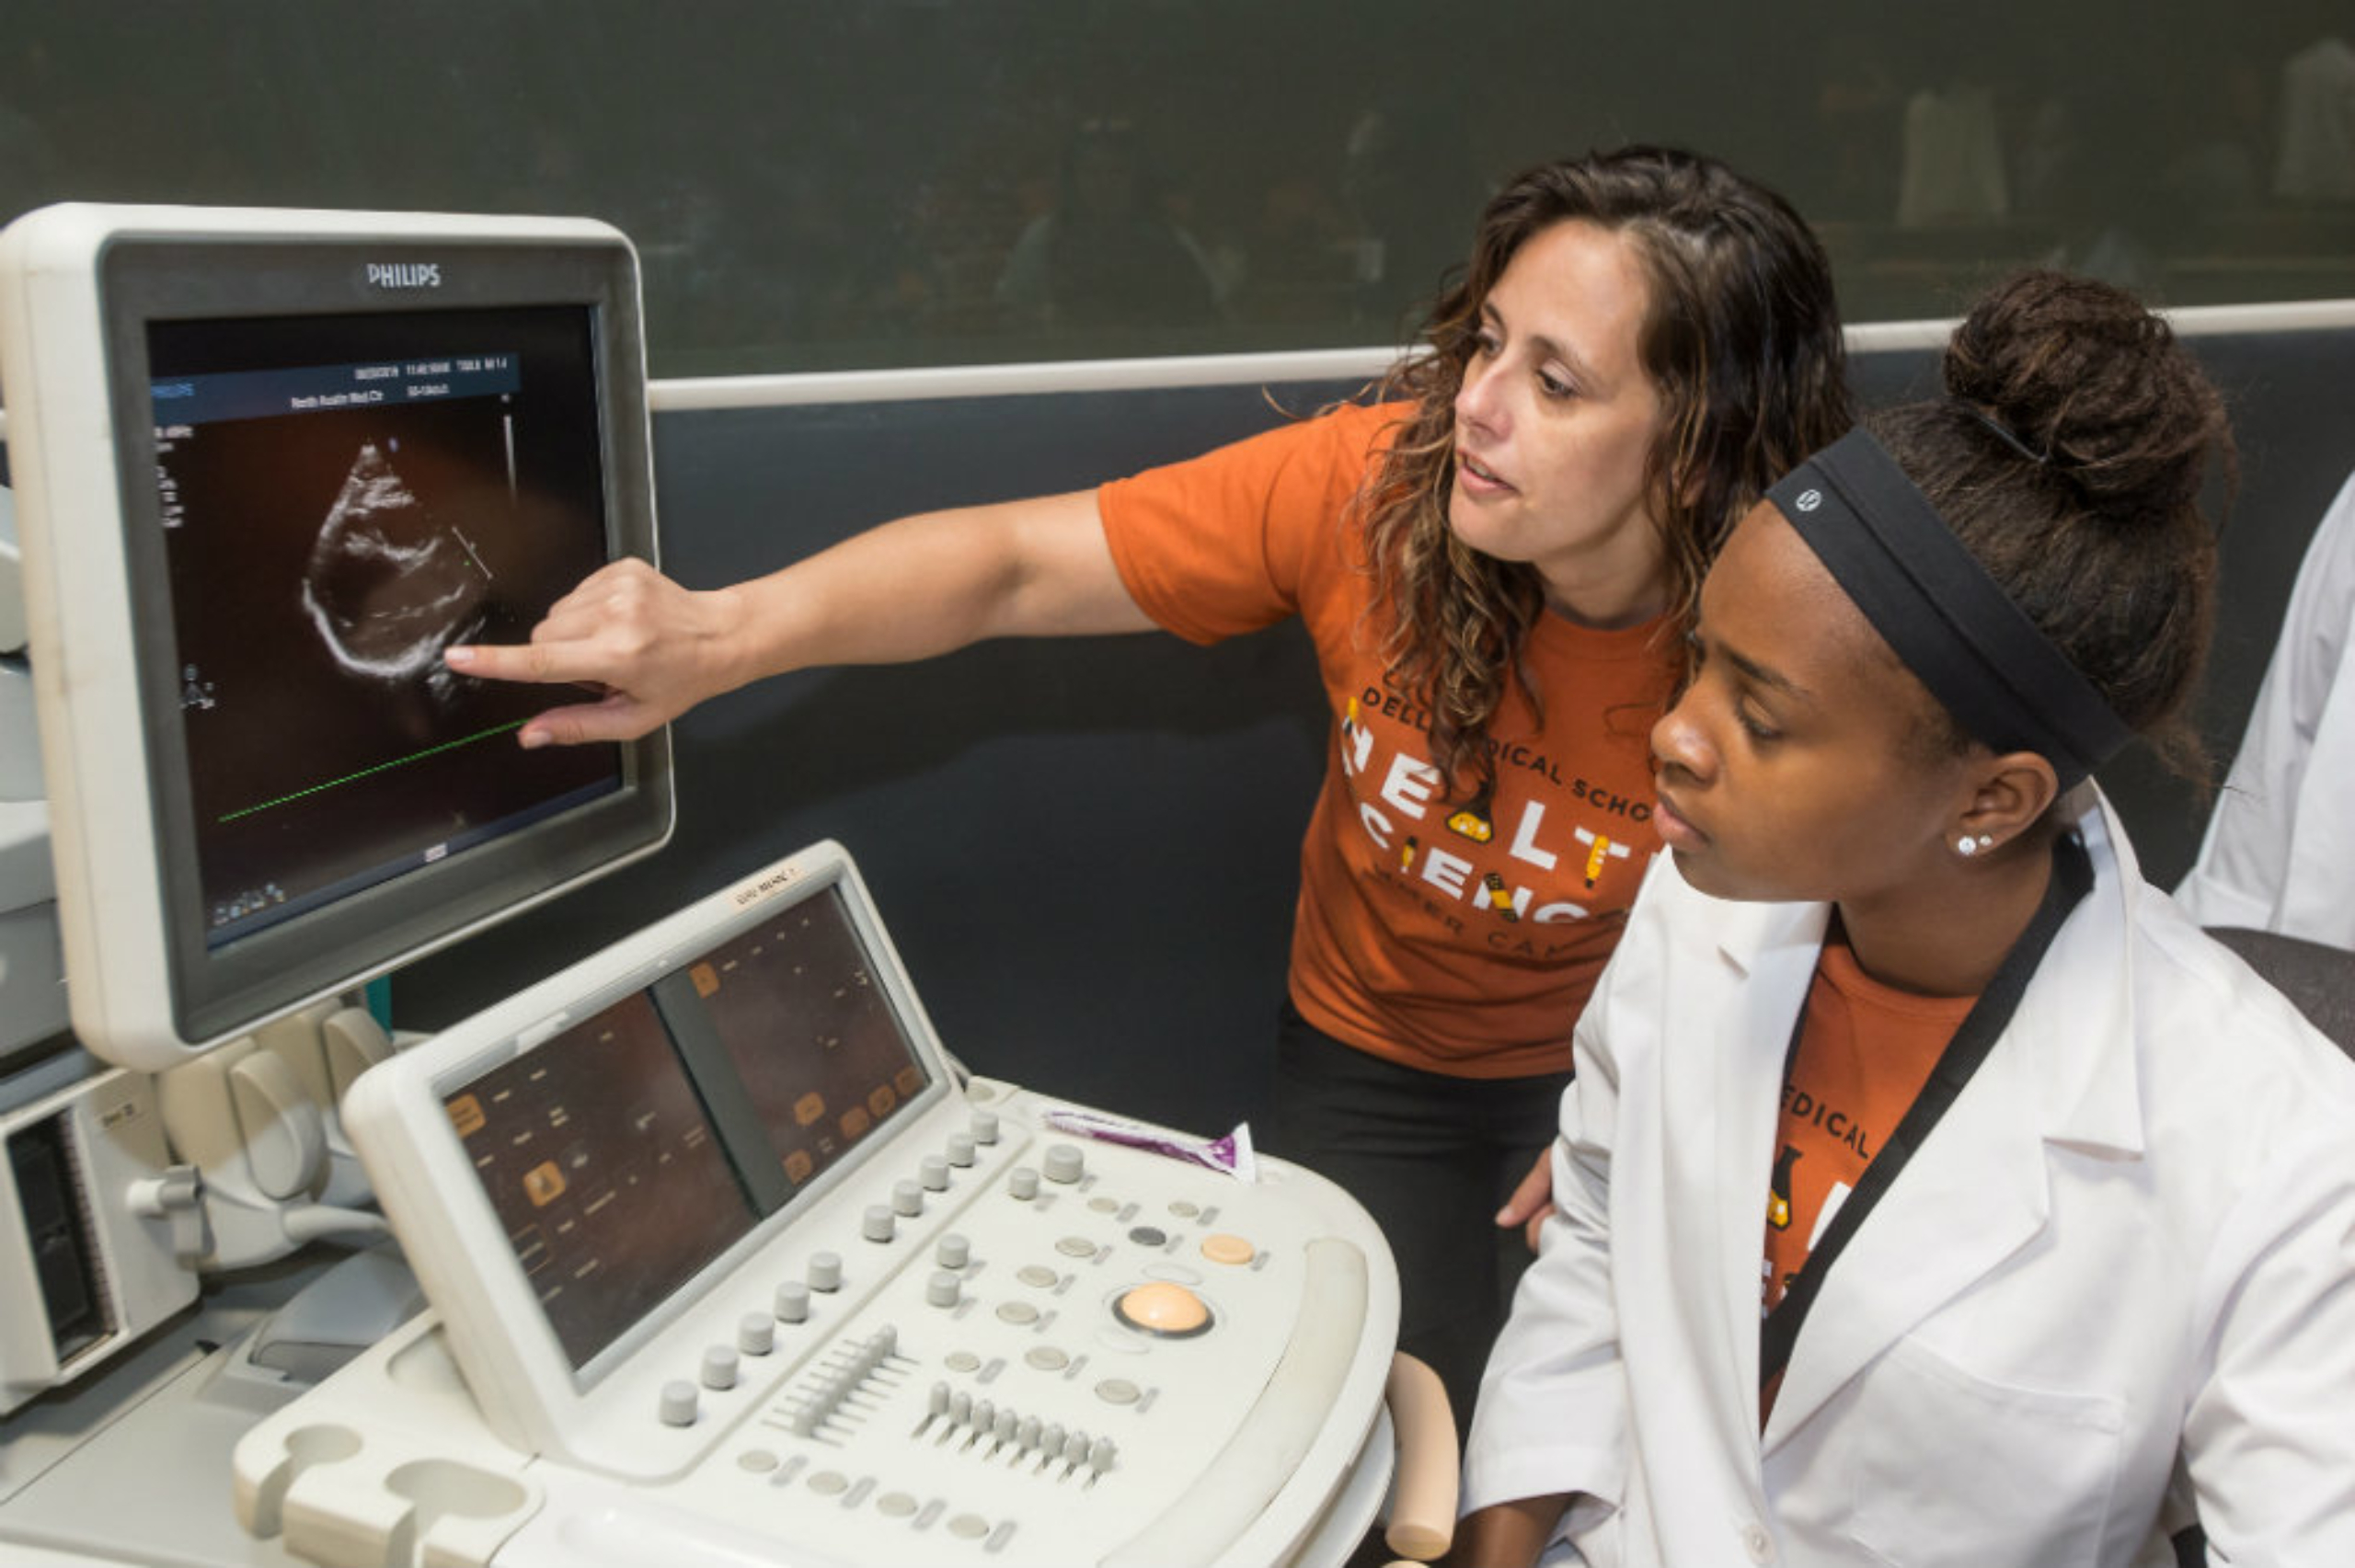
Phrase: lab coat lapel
x=1972 y=1195
x=1979 y=1188
x=1729 y=1037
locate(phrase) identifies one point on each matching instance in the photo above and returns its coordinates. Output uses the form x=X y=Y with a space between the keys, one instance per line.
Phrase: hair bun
x=2086 y=377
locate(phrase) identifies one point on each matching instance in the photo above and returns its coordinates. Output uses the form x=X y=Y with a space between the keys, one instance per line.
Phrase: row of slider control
x=1025 y=1434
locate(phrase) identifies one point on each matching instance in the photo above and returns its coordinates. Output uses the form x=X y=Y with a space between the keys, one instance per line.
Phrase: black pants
x=1432 y=1157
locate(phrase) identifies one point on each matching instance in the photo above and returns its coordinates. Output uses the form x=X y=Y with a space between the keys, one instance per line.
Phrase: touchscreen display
x=804 y=1020
x=594 y=1151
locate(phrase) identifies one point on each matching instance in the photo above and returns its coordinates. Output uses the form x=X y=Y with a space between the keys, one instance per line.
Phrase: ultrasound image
x=390 y=584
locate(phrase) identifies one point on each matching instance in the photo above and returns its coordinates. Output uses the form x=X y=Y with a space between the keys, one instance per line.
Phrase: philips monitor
x=270 y=465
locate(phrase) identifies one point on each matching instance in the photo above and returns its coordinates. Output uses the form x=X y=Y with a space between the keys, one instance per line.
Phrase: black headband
x=1953 y=625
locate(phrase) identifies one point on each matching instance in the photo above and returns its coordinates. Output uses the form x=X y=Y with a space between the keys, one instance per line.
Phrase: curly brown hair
x=2069 y=455
x=1742 y=343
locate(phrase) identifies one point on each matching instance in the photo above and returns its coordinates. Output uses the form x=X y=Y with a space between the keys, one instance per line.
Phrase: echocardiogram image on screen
x=342 y=498
x=603 y=1170
x=807 y=1024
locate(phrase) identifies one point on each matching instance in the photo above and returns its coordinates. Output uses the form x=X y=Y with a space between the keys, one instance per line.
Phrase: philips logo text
x=404 y=274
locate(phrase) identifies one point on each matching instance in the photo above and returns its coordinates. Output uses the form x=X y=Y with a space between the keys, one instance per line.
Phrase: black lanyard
x=2072 y=877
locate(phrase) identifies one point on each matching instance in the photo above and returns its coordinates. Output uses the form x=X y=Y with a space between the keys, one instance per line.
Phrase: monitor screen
x=270 y=465
x=341 y=499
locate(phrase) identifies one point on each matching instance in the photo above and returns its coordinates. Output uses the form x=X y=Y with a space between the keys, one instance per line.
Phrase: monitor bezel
x=134 y=849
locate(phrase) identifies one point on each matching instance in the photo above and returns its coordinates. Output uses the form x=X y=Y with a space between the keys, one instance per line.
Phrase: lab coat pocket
x=1953 y=1468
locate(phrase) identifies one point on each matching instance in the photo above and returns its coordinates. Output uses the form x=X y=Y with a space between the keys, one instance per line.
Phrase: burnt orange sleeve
x=1220 y=545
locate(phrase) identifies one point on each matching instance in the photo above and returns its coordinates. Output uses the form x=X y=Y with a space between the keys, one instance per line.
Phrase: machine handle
x=1422 y=1498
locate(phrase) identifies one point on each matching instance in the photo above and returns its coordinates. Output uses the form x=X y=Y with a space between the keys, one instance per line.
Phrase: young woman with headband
x=1931 y=1189
x=1495 y=563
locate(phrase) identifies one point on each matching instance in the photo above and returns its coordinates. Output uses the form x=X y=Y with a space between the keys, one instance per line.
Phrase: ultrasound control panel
x=968 y=1329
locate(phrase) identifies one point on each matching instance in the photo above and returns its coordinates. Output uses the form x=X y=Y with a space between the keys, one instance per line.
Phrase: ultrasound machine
x=704 y=1250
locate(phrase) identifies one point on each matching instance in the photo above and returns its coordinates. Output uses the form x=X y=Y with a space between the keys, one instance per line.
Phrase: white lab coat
x=2280 y=852
x=2131 y=1242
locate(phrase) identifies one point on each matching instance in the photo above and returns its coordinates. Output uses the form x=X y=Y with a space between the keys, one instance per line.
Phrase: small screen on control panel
x=595 y=1153
x=626 y=1152
x=797 y=1006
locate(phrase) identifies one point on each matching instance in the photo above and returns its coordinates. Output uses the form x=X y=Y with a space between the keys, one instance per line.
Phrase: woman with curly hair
x=1496 y=557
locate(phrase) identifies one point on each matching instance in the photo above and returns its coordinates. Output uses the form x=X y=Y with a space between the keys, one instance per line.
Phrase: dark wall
x=1087 y=850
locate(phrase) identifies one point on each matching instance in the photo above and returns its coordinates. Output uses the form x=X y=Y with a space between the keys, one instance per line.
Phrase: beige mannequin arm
x=1422 y=1505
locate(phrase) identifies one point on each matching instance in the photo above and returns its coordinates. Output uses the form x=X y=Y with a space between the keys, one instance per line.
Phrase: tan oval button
x=1227 y=1249
x=1170 y=1311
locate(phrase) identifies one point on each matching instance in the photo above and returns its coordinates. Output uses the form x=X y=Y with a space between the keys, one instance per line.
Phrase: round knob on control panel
x=720 y=1366
x=1075 y=1448
x=1022 y=1184
x=936 y=1402
x=882 y=1343
x=1026 y=1433
x=907 y=1199
x=1064 y=1163
x=791 y=1302
x=933 y=1171
x=826 y=1271
x=961 y=1149
x=984 y=1127
x=960 y=1407
x=1006 y=1424
x=1051 y=1441
x=984 y=1414
x=941 y=1290
x=1100 y=1455
x=679 y=1402
x=1164 y=1310
x=756 y=1334
x=953 y=1250
x=878 y=1224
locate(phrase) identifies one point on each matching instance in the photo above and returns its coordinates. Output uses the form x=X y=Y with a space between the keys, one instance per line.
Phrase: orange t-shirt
x=1865 y=1050
x=1459 y=937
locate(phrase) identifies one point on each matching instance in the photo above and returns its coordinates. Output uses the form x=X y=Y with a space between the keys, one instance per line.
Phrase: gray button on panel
x=759 y=1462
x=679 y=1402
x=907 y=1199
x=1039 y=1275
x=1046 y=1358
x=962 y=1361
x=826 y=1271
x=878 y=1224
x=719 y=1367
x=895 y=1505
x=756 y=1334
x=1184 y=1210
x=829 y=1483
x=1063 y=1163
x=953 y=1250
x=1149 y=1236
x=1105 y=1205
x=791 y=1302
x=1017 y=1312
x=984 y=1127
x=1118 y=1391
x=933 y=1171
x=961 y=1150
x=1023 y=1183
x=969 y=1526
x=1077 y=1247
x=941 y=1290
